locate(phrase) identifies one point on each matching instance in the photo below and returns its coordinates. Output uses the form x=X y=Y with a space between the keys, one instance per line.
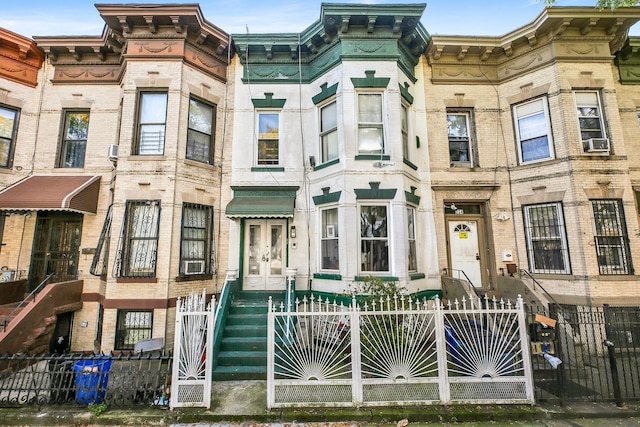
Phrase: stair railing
x=290 y=306
x=469 y=282
x=524 y=272
x=222 y=309
x=24 y=302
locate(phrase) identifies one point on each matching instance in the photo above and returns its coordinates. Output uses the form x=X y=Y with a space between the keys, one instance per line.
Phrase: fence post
x=611 y=349
x=271 y=388
x=525 y=346
x=356 y=355
x=441 y=352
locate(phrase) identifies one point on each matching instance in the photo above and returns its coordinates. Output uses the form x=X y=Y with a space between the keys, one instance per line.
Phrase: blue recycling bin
x=91 y=379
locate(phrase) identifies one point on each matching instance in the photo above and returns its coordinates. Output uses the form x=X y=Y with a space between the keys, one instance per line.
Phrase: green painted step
x=243 y=349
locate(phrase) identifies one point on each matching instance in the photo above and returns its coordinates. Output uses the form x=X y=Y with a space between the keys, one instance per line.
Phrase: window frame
x=613 y=236
x=329 y=234
x=65 y=140
x=266 y=161
x=534 y=253
x=602 y=130
x=138 y=148
x=129 y=240
x=364 y=125
x=12 y=138
x=324 y=134
x=124 y=336
x=405 y=130
x=470 y=139
x=362 y=240
x=544 y=101
x=412 y=248
x=207 y=239
x=211 y=136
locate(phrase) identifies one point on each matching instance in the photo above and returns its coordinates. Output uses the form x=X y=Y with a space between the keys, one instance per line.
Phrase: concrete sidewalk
x=245 y=402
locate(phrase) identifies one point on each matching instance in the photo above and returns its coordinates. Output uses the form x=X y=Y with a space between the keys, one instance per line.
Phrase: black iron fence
x=116 y=380
x=599 y=351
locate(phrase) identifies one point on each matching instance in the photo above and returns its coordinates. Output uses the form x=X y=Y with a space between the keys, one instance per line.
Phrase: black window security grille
x=196 y=246
x=546 y=239
x=611 y=239
x=138 y=244
x=131 y=327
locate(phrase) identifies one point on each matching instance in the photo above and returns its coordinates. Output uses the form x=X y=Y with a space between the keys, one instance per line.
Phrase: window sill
x=551 y=276
x=267 y=169
x=601 y=156
x=137 y=280
x=410 y=164
x=149 y=157
x=370 y=157
x=327 y=164
x=416 y=276
x=538 y=163
x=618 y=278
x=197 y=163
x=383 y=278
x=194 y=277
x=327 y=276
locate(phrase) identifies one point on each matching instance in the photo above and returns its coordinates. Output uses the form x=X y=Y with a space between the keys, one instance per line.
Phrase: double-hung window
x=152 y=117
x=8 y=134
x=589 y=111
x=196 y=246
x=374 y=239
x=329 y=131
x=459 y=134
x=138 y=247
x=200 y=141
x=329 y=241
x=546 y=238
x=412 y=258
x=131 y=327
x=533 y=131
x=404 y=130
x=268 y=138
x=74 y=139
x=611 y=238
x=370 y=123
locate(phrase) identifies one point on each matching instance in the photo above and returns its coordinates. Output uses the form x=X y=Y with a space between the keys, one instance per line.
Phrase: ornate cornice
x=576 y=34
x=139 y=32
x=20 y=58
x=344 y=32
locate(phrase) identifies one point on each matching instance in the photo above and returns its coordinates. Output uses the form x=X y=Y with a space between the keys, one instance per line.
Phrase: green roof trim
x=370 y=81
x=268 y=102
x=327 y=197
x=325 y=93
x=404 y=91
x=375 y=192
x=262 y=202
x=410 y=164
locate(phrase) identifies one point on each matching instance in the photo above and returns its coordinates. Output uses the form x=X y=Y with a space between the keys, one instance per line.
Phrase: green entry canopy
x=262 y=202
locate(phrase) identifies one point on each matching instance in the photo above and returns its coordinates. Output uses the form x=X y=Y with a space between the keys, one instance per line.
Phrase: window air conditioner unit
x=113 y=152
x=596 y=145
x=193 y=267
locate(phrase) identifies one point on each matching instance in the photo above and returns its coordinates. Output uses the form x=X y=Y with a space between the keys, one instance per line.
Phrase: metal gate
x=398 y=351
x=193 y=347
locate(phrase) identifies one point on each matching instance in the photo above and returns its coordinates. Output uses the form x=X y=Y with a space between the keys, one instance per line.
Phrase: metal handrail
x=473 y=288
x=524 y=272
x=33 y=293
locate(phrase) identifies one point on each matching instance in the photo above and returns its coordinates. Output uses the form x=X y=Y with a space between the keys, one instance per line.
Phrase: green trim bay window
x=374 y=239
x=370 y=123
x=268 y=138
x=329 y=251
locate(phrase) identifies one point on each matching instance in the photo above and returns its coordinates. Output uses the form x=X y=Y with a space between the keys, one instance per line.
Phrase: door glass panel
x=276 y=250
x=255 y=249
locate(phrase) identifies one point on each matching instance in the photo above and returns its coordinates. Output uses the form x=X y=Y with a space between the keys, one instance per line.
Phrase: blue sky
x=449 y=17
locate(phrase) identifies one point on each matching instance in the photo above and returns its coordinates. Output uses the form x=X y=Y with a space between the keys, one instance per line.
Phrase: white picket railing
x=192 y=350
x=398 y=351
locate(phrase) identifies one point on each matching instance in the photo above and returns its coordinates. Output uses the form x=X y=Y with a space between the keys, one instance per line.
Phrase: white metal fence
x=398 y=351
x=193 y=347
